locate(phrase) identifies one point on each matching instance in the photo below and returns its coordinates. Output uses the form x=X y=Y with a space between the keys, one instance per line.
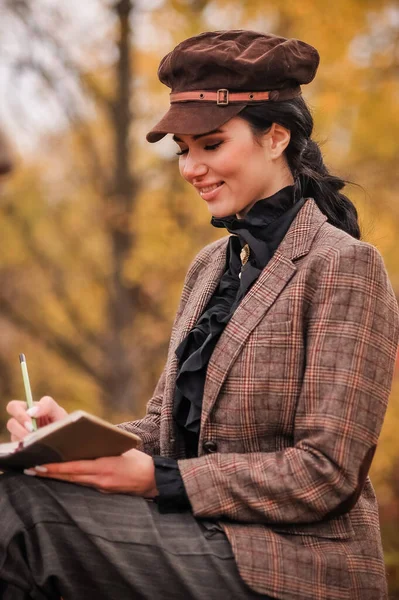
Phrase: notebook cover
x=81 y=439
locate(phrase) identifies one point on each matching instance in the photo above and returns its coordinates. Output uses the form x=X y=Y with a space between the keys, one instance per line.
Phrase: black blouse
x=263 y=228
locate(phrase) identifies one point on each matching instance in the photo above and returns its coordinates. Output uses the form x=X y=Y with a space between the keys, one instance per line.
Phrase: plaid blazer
x=294 y=400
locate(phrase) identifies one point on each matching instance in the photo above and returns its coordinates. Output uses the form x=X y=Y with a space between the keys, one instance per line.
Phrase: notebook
x=79 y=436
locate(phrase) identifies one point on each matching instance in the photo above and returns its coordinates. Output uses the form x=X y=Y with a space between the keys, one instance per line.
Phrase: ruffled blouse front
x=263 y=228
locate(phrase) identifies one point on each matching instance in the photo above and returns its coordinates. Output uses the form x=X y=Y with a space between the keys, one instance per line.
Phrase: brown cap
x=214 y=75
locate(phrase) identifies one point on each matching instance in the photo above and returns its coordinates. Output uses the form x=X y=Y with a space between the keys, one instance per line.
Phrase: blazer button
x=210 y=446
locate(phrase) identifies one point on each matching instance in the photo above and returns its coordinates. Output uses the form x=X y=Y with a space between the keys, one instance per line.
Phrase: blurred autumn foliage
x=97 y=227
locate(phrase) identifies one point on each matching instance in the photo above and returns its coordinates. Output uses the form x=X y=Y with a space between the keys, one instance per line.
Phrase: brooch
x=244 y=256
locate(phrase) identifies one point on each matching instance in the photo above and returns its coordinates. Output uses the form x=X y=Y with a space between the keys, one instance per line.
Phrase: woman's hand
x=131 y=473
x=45 y=411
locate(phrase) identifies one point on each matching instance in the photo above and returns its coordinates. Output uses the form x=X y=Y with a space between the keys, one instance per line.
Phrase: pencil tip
x=22 y=358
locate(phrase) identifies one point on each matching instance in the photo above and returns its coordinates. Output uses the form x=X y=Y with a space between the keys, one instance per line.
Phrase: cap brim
x=193 y=118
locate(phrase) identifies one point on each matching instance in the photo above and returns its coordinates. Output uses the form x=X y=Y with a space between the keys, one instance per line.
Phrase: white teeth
x=209 y=188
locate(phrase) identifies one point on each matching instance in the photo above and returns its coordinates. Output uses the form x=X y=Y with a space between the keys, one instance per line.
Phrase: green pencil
x=28 y=391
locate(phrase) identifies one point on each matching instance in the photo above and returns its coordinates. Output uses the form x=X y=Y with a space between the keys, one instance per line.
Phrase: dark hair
x=305 y=159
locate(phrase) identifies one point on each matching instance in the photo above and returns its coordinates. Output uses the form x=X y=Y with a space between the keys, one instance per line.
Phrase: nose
x=193 y=168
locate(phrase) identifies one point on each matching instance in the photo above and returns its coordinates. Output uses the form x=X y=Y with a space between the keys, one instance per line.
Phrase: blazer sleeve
x=148 y=428
x=351 y=338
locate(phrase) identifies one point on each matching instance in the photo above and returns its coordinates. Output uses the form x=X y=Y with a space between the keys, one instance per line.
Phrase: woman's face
x=231 y=169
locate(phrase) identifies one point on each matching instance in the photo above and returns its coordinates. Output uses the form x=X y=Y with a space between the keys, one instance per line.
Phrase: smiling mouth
x=210 y=188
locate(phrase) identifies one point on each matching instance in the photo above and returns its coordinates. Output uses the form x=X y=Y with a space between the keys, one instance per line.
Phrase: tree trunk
x=119 y=390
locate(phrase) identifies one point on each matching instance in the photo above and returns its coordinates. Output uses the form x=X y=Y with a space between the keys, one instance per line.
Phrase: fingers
x=20 y=424
x=77 y=467
x=20 y=413
x=48 y=408
x=45 y=411
x=18 y=431
x=87 y=480
x=17 y=409
x=80 y=472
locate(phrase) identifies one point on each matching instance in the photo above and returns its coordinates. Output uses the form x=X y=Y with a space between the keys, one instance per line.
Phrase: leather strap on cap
x=223 y=97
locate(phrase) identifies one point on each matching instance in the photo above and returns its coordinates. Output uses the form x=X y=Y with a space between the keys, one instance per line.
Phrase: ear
x=278 y=138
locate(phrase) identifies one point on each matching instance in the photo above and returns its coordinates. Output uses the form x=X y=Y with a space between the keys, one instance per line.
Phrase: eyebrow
x=200 y=135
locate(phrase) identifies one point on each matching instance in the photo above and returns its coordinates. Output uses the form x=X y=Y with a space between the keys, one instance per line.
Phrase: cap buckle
x=222 y=97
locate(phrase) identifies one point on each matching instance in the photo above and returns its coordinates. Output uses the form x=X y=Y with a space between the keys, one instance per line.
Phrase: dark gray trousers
x=59 y=539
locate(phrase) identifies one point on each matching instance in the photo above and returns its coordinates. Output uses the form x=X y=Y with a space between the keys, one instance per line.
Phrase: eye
x=207 y=147
x=213 y=146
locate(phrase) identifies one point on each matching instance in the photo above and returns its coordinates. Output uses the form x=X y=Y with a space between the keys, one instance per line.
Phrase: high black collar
x=265 y=224
x=262 y=213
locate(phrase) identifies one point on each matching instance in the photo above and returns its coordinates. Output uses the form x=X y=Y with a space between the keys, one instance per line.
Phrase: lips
x=208 y=189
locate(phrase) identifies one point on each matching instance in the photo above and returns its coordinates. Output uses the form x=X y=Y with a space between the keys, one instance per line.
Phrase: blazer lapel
x=260 y=298
x=203 y=290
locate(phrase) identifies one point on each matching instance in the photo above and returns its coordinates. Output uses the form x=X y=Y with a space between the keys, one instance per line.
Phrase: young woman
x=252 y=479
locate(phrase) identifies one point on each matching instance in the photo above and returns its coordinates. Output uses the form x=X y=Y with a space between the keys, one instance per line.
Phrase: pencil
x=28 y=391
